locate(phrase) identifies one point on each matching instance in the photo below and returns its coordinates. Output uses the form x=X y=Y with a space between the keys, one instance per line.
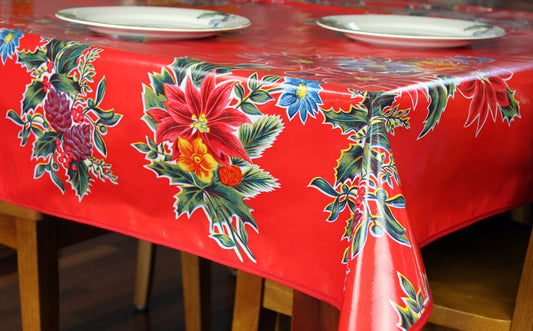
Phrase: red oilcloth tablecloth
x=283 y=149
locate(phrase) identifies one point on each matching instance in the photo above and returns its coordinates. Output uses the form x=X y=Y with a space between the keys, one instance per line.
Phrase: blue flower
x=300 y=96
x=9 y=41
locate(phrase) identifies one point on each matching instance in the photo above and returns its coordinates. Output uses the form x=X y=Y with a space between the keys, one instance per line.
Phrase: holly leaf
x=79 y=178
x=172 y=171
x=158 y=81
x=439 y=92
x=189 y=199
x=33 y=96
x=32 y=60
x=513 y=110
x=351 y=120
x=349 y=164
x=152 y=99
x=46 y=144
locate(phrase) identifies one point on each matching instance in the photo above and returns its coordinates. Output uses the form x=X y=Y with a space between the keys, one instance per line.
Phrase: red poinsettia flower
x=488 y=95
x=203 y=113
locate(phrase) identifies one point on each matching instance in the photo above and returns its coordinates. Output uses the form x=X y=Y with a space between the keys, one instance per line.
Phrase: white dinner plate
x=410 y=31
x=157 y=23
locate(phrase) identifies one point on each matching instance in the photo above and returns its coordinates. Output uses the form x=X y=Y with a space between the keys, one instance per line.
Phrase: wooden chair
x=481 y=277
x=262 y=304
x=36 y=237
x=195 y=272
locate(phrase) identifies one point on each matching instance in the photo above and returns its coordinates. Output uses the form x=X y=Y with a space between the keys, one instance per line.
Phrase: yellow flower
x=195 y=158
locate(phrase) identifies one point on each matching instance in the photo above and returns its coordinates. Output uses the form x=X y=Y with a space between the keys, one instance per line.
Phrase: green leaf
x=54 y=47
x=323 y=186
x=250 y=108
x=100 y=91
x=189 y=199
x=173 y=172
x=397 y=201
x=351 y=120
x=80 y=179
x=46 y=144
x=32 y=60
x=40 y=169
x=254 y=181
x=201 y=70
x=260 y=96
x=180 y=67
x=270 y=79
x=408 y=288
x=371 y=160
x=224 y=240
x=228 y=201
x=393 y=227
x=377 y=133
x=359 y=239
x=64 y=83
x=142 y=147
x=253 y=82
x=439 y=93
x=150 y=122
x=33 y=96
x=239 y=91
x=111 y=121
x=260 y=136
x=513 y=110
x=104 y=114
x=158 y=81
x=243 y=234
x=57 y=181
x=99 y=143
x=152 y=99
x=408 y=318
x=67 y=59
x=335 y=208
x=349 y=164
x=11 y=114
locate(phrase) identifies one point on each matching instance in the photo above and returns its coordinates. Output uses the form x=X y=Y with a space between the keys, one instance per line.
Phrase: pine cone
x=77 y=142
x=57 y=111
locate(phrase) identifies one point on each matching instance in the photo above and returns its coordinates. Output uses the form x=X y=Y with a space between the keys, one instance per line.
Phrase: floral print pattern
x=207 y=131
x=61 y=113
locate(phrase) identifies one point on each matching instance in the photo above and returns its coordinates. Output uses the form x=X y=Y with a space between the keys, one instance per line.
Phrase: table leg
x=310 y=314
x=247 y=308
x=523 y=311
x=195 y=273
x=143 y=275
x=38 y=274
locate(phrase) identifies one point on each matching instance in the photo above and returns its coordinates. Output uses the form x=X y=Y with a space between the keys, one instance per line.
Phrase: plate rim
x=60 y=14
x=321 y=22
